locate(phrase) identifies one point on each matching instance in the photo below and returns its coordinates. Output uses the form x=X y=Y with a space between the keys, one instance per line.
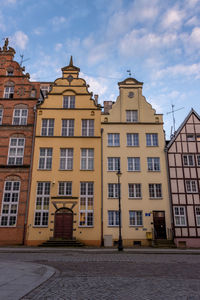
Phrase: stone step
x=61 y=243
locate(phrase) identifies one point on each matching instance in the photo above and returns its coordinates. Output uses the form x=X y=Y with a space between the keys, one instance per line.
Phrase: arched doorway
x=63 y=225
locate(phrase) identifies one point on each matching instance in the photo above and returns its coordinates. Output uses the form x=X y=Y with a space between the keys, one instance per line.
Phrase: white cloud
x=20 y=39
x=58 y=46
x=193 y=21
x=173 y=19
x=2 y=22
x=57 y=21
x=97 y=86
x=38 y=31
x=180 y=70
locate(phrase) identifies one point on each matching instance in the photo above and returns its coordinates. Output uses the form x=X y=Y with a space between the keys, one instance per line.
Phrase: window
x=87 y=159
x=66 y=159
x=133 y=164
x=113 y=190
x=65 y=188
x=134 y=190
x=132 y=139
x=190 y=137
x=9 y=92
x=179 y=216
x=67 y=127
x=86 y=204
x=69 y=102
x=197 y=212
x=113 y=218
x=198 y=160
x=135 y=218
x=10 y=71
x=10 y=203
x=45 y=89
x=155 y=190
x=191 y=186
x=113 y=163
x=113 y=139
x=88 y=127
x=20 y=116
x=42 y=204
x=131 y=116
x=45 y=161
x=1 y=115
x=47 y=127
x=151 y=139
x=153 y=163
x=188 y=160
x=16 y=151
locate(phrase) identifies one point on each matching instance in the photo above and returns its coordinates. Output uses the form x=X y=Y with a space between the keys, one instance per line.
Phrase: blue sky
x=159 y=41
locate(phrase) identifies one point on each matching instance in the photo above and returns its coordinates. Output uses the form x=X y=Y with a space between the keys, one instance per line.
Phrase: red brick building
x=18 y=97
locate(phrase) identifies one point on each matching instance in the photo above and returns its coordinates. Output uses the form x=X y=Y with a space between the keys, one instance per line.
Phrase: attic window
x=190 y=137
x=10 y=72
x=130 y=94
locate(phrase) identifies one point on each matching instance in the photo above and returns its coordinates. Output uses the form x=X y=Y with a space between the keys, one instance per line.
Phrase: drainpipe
x=169 y=189
x=102 y=242
x=30 y=175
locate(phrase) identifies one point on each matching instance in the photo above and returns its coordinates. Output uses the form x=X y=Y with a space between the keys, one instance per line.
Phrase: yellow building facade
x=134 y=142
x=65 y=194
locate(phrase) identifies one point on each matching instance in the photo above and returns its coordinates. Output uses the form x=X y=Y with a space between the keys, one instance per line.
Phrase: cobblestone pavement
x=115 y=275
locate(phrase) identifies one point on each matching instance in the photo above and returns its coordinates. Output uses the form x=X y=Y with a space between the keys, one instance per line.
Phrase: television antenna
x=173 y=117
x=22 y=59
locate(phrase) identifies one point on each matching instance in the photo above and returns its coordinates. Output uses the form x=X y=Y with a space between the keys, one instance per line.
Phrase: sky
x=157 y=40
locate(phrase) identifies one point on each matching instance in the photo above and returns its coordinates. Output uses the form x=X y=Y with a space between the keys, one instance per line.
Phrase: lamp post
x=120 y=244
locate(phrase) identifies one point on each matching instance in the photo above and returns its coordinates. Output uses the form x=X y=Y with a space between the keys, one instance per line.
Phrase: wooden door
x=159 y=225
x=63 y=225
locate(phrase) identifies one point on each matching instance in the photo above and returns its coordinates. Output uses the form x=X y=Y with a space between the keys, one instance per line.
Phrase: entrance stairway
x=163 y=243
x=52 y=242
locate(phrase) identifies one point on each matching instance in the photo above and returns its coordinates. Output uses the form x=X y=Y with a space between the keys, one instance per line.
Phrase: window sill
x=154 y=171
x=86 y=170
x=65 y=169
x=133 y=170
x=136 y=226
x=135 y=198
x=44 y=169
x=113 y=198
x=116 y=226
x=133 y=146
x=84 y=226
x=40 y=226
x=113 y=146
x=156 y=198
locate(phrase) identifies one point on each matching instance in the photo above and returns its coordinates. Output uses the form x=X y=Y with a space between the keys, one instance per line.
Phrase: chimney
x=107 y=106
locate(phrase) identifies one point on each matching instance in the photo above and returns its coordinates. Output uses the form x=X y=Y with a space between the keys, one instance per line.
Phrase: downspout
x=102 y=242
x=169 y=189
x=30 y=175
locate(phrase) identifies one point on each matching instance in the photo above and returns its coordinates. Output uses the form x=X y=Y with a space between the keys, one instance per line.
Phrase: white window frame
x=113 y=139
x=179 y=216
x=67 y=127
x=156 y=189
x=134 y=191
x=188 y=160
x=65 y=188
x=151 y=139
x=45 y=89
x=1 y=116
x=153 y=164
x=113 y=190
x=87 y=127
x=41 y=216
x=191 y=186
x=69 y=102
x=20 y=116
x=8 y=92
x=135 y=218
x=66 y=158
x=133 y=164
x=197 y=214
x=87 y=159
x=132 y=139
x=86 y=215
x=47 y=127
x=131 y=116
x=113 y=164
x=113 y=218
x=10 y=199
x=45 y=159
x=16 y=151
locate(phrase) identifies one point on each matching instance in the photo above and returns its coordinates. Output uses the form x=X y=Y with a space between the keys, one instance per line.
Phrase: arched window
x=20 y=114
x=9 y=90
x=10 y=202
x=10 y=71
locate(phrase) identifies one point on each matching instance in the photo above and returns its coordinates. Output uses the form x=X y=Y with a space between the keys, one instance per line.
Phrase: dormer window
x=9 y=92
x=10 y=71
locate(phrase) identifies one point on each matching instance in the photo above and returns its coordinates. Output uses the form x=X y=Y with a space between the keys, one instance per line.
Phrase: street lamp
x=120 y=244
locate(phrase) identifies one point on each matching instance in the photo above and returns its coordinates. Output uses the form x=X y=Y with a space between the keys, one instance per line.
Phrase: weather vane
x=129 y=72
